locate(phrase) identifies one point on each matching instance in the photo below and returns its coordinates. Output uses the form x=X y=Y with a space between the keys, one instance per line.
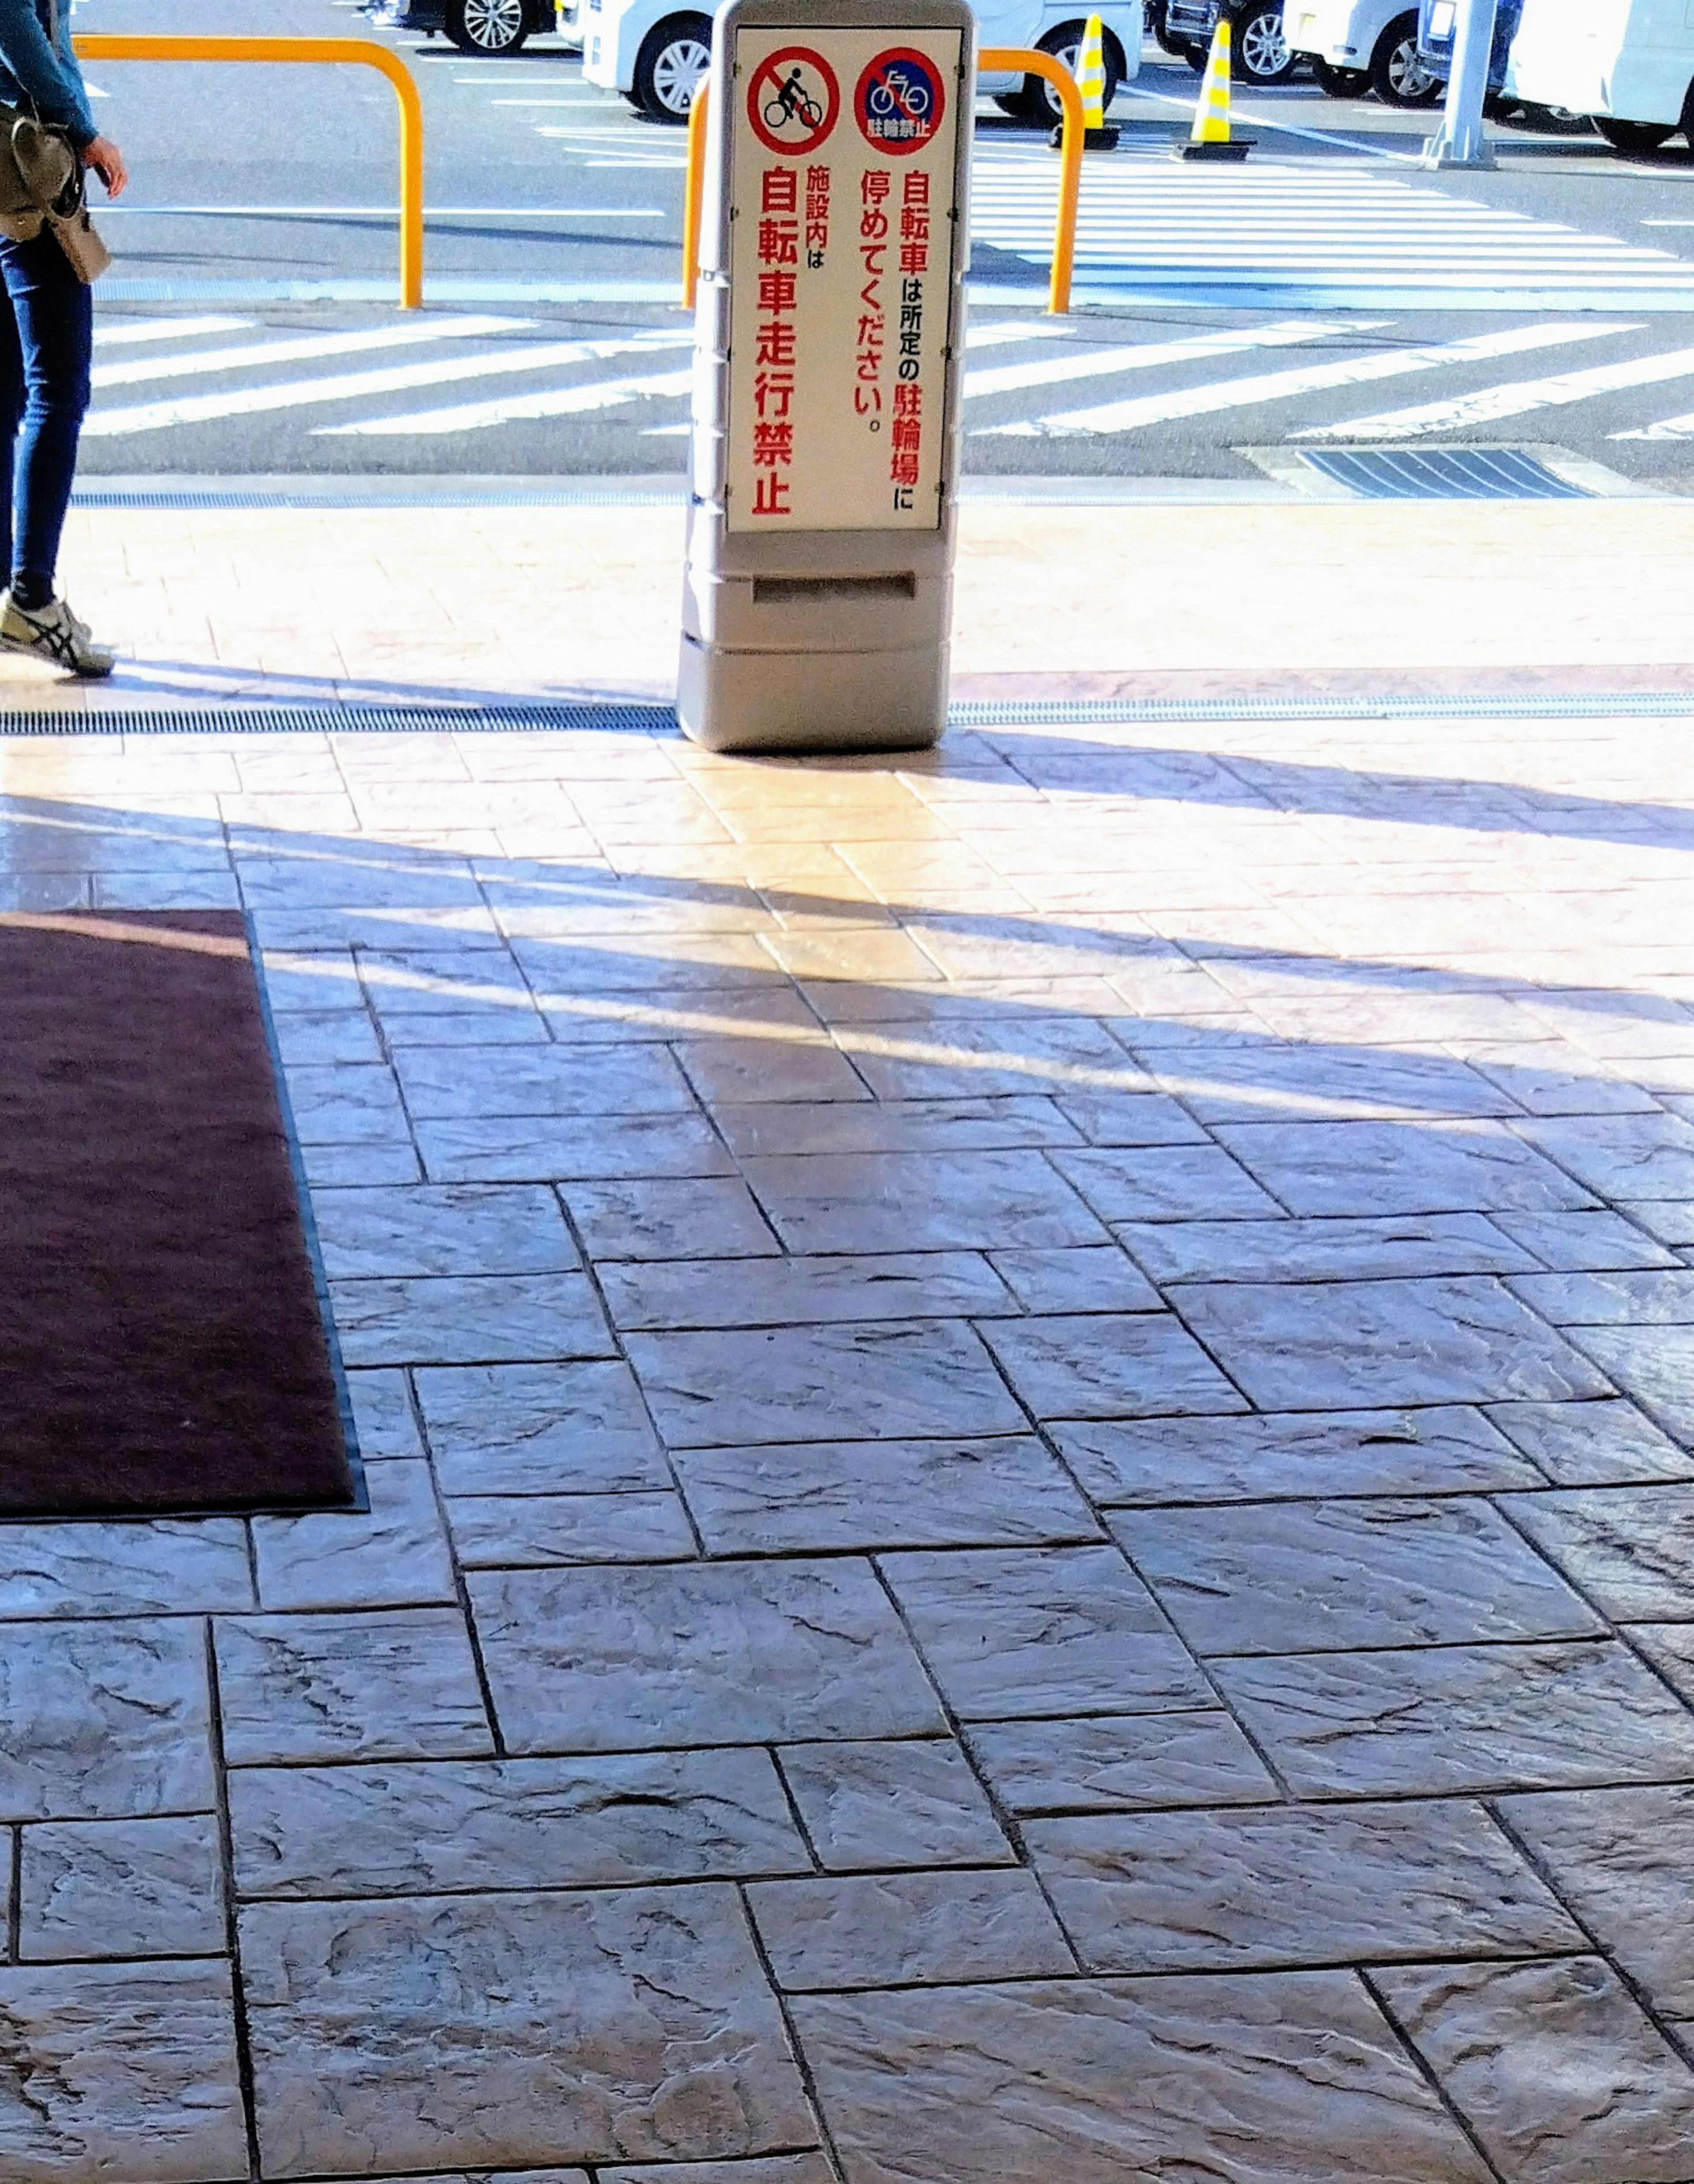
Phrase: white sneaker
x=54 y=633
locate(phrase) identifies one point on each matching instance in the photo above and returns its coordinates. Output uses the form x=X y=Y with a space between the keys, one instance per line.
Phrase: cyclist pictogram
x=900 y=101
x=792 y=101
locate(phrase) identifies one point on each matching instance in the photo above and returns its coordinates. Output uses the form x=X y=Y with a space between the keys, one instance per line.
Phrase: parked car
x=1438 y=25
x=474 y=26
x=1357 y=45
x=1258 y=50
x=1628 y=65
x=655 y=53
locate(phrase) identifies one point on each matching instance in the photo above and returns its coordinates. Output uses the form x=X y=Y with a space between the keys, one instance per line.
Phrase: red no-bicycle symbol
x=792 y=101
x=900 y=101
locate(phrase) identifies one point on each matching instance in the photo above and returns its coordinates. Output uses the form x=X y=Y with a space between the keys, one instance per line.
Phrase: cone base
x=1093 y=140
x=1238 y=148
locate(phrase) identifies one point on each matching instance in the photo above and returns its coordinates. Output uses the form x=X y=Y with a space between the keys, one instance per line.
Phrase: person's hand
x=104 y=156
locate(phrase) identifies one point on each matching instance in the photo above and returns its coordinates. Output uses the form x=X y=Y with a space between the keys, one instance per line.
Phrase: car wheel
x=674 y=56
x=1340 y=82
x=1197 y=57
x=1158 y=22
x=1040 y=101
x=1258 y=51
x=1395 y=75
x=486 y=27
x=1633 y=136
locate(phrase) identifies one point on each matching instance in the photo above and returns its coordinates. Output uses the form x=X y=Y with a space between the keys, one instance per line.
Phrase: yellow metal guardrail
x=993 y=60
x=363 y=53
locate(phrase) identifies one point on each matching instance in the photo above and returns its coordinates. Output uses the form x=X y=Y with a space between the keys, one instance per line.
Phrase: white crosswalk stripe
x=253 y=401
x=566 y=402
x=201 y=364
x=1206 y=400
x=129 y=330
x=1492 y=405
x=1309 y=232
x=1143 y=356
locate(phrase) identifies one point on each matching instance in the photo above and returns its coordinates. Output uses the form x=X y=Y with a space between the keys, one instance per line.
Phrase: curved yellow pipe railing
x=994 y=60
x=364 y=53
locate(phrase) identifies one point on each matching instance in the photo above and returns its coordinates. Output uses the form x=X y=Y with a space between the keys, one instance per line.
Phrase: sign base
x=796 y=702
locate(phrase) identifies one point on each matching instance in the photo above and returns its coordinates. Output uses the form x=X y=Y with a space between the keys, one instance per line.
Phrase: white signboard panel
x=842 y=159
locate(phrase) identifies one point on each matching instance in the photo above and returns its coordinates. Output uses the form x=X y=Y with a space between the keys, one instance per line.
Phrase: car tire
x=1258 y=51
x=674 y=56
x=1039 y=103
x=1158 y=22
x=1196 y=56
x=1394 y=75
x=1340 y=82
x=486 y=28
x=1634 y=137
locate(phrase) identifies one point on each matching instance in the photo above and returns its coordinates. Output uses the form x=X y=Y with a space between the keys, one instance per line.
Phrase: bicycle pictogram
x=792 y=101
x=900 y=101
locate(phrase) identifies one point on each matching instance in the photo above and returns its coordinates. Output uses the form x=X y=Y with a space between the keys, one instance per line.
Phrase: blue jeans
x=47 y=340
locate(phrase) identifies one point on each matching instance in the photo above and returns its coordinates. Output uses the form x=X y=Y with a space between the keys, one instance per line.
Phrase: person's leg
x=54 y=320
x=11 y=400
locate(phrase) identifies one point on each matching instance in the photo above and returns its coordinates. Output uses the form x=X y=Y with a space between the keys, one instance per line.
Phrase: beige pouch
x=79 y=240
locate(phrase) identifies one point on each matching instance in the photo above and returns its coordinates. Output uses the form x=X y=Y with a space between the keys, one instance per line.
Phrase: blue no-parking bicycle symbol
x=900 y=101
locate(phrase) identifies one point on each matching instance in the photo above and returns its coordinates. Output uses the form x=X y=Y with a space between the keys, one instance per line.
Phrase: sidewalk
x=1028 y=1412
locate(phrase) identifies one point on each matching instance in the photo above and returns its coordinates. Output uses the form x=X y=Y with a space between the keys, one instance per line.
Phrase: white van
x=655 y=52
x=1628 y=65
x=1357 y=45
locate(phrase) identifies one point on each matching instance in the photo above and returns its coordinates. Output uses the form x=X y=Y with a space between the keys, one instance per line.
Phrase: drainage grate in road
x=1442 y=474
x=648 y=720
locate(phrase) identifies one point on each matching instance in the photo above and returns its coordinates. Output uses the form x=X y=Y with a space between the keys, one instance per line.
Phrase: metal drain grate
x=1442 y=474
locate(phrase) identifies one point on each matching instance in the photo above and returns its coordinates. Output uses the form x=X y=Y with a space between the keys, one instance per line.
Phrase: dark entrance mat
x=163 y=1346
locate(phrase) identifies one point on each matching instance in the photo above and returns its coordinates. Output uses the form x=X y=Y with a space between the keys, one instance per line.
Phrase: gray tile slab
x=1630 y=1548
x=1671 y=1647
x=572 y=1429
x=1342 y=1344
x=1005 y=1491
x=1653 y=1364
x=1300 y=1455
x=892 y=1929
x=609 y=1080
x=594 y=1660
x=1653 y=1298
x=1621 y=1156
x=1575 y=1241
x=1669 y=1220
x=469 y=1320
x=393 y=1683
x=1624 y=1860
x=1116 y=1365
x=443 y=1825
x=1129 y=1118
x=907 y=1802
x=1384 y=1167
x=358 y=1167
x=1090 y=1277
x=346 y=1103
x=1012 y=1633
x=104 y=1720
x=660 y=1217
x=1277 y=1885
x=628 y=2023
x=1129 y=1763
x=161 y=1566
x=1287 y=1577
x=1225 y=1081
x=746 y=1068
x=393 y=1554
x=1165 y=1183
x=538 y=1530
x=1554 y=2067
x=1460 y=1718
x=568 y=1148
x=821 y=1384
x=938 y=1201
x=776 y=2169
x=1290 y=2076
x=777 y=1292
x=121 y=1888
x=441 y=1230
x=383 y=1421
x=1338 y=1249
x=1594 y=1443
x=121 y=2071
x=895 y=1125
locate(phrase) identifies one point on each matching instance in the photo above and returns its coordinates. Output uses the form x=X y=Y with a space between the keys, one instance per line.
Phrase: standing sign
x=818 y=589
x=841 y=226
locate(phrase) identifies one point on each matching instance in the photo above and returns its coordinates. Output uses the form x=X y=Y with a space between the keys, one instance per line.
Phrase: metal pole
x=1459 y=140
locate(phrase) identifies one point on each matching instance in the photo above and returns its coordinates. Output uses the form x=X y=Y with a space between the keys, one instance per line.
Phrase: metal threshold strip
x=633 y=719
x=1442 y=474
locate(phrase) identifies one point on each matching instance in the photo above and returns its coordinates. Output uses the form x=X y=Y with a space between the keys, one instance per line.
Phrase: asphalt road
x=1324 y=295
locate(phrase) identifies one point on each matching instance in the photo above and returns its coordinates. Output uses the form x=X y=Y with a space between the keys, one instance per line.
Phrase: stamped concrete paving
x=1031 y=1454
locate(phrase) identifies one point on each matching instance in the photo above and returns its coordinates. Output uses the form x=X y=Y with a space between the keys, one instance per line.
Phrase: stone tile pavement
x=1029 y=1415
